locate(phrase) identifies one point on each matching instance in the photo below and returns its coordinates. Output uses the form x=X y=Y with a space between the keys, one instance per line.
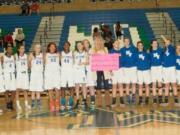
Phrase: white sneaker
x=27 y=107
x=18 y=108
x=164 y=104
x=1 y=111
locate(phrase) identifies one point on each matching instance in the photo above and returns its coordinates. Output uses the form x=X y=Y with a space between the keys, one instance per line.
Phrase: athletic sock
x=33 y=103
x=77 y=103
x=140 y=100
x=154 y=99
x=11 y=105
x=26 y=103
x=92 y=98
x=114 y=100
x=147 y=100
x=17 y=103
x=160 y=99
x=128 y=99
x=84 y=101
x=121 y=100
x=71 y=101
x=166 y=99
x=176 y=100
x=134 y=98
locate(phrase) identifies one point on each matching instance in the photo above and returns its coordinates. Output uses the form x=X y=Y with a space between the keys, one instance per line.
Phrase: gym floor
x=136 y=120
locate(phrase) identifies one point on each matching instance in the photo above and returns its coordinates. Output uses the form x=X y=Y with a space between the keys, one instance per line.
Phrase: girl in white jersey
x=52 y=75
x=22 y=77
x=80 y=62
x=1 y=77
x=9 y=75
x=36 y=77
x=89 y=74
x=67 y=74
x=2 y=90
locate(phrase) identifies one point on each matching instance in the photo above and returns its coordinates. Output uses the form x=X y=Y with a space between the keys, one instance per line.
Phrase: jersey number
x=38 y=62
x=66 y=60
x=53 y=59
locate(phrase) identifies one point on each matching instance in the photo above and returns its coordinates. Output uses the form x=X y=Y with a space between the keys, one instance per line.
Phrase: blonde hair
x=34 y=48
x=99 y=44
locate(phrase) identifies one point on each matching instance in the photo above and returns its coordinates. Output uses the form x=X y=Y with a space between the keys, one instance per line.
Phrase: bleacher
x=175 y=15
x=82 y=23
x=9 y=23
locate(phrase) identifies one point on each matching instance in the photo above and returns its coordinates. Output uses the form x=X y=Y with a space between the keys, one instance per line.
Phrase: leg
x=167 y=87
x=147 y=93
x=121 y=93
x=17 y=100
x=33 y=99
x=114 y=90
x=176 y=100
x=92 y=93
x=26 y=100
x=134 y=93
x=154 y=92
x=57 y=103
x=77 y=87
x=127 y=93
x=107 y=98
x=160 y=91
x=38 y=96
x=84 y=90
x=99 y=98
x=63 y=100
x=140 y=93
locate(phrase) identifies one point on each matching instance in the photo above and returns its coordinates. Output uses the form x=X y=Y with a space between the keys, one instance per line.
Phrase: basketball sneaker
x=57 y=105
x=63 y=105
x=52 y=106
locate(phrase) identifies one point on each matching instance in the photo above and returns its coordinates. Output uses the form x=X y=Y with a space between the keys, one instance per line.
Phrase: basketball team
x=144 y=76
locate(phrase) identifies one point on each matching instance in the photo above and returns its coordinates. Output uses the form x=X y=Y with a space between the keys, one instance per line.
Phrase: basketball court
x=136 y=120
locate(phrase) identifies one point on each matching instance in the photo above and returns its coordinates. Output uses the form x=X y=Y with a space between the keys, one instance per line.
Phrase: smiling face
x=9 y=50
x=126 y=42
x=116 y=44
x=80 y=47
x=154 y=45
x=140 y=46
x=178 y=49
x=86 y=44
x=52 y=48
x=37 y=49
x=67 y=47
x=21 y=50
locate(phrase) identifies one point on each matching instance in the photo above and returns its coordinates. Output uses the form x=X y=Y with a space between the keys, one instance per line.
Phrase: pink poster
x=106 y=62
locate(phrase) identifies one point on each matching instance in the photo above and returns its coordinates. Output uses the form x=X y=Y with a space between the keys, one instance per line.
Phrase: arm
x=44 y=59
x=163 y=38
x=29 y=61
x=60 y=58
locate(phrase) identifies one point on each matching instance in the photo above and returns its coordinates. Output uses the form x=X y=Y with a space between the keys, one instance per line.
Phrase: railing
x=169 y=28
x=47 y=27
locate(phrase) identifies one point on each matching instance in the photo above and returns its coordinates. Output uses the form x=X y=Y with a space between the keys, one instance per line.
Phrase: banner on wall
x=106 y=62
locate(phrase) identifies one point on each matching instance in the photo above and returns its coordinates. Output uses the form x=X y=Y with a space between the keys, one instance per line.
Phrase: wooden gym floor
x=131 y=120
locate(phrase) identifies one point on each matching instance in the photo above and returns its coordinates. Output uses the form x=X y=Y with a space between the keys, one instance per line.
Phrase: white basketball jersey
x=21 y=63
x=52 y=61
x=0 y=68
x=9 y=64
x=66 y=60
x=89 y=56
x=37 y=63
x=79 y=58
